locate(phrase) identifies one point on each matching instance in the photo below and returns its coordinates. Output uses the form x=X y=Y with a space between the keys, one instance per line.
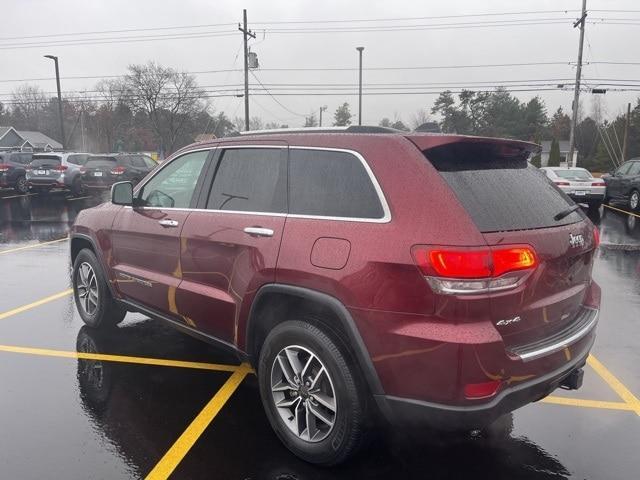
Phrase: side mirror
x=122 y=193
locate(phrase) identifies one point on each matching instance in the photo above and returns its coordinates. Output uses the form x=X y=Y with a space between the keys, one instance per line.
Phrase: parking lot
x=148 y=401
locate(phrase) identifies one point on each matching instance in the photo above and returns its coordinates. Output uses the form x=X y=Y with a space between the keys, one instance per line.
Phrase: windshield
x=96 y=162
x=574 y=174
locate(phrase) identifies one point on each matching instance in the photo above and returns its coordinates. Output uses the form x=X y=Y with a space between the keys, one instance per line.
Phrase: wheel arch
x=275 y=303
x=79 y=242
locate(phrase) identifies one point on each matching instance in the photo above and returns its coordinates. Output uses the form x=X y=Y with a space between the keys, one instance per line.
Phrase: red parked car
x=428 y=278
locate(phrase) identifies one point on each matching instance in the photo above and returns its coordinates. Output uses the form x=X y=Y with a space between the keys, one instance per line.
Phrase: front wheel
x=634 y=200
x=310 y=394
x=91 y=293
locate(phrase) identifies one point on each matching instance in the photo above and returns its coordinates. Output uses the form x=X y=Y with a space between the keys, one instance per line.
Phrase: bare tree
x=169 y=99
x=112 y=114
x=29 y=104
x=420 y=117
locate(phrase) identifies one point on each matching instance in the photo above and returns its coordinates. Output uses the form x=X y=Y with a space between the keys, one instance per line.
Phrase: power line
x=274 y=98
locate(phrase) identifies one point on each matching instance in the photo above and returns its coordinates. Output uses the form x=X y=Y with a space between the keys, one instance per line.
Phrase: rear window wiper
x=564 y=213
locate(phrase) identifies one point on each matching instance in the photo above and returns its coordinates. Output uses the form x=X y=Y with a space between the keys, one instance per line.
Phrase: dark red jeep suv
x=430 y=279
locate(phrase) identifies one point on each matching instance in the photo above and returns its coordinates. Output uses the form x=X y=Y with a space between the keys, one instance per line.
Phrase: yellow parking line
x=621 y=210
x=181 y=447
x=11 y=250
x=578 y=402
x=37 y=303
x=162 y=362
x=623 y=392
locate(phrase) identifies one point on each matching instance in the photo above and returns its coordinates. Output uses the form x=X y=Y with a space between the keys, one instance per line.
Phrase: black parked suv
x=102 y=171
x=13 y=167
x=624 y=184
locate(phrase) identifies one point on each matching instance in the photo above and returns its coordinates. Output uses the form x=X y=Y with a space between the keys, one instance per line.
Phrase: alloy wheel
x=87 y=285
x=22 y=186
x=303 y=393
x=634 y=200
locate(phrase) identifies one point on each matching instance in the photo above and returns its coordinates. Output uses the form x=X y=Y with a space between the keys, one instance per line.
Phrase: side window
x=635 y=169
x=149 y=162
x=137 y=161
x=624 y=168
x=174 y=185
x=331 y=184
x=250 y=180
x=24 y=158
x=75 y=159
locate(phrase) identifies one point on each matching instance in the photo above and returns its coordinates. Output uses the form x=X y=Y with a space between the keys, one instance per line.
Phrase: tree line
x=158 y=108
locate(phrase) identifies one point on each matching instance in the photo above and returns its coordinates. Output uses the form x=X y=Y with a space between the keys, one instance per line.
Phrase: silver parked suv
x=56 y=170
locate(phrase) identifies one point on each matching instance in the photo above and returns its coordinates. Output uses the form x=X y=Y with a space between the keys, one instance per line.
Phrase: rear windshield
x=573 y=174
x=501 y=192
x=96 y=162
x=45 y=161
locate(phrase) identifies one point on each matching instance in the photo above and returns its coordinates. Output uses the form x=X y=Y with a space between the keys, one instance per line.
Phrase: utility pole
x=247 y=33
x=62 y=140
x=360 y=49
x=576 y=90
x=625 y=141
x=322 y=109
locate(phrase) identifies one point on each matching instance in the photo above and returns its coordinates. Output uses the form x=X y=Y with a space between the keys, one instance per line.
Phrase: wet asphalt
x=94 y=419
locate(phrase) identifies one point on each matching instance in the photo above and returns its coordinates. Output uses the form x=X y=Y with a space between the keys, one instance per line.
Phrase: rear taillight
x=60 y=168
x=596 y=237
x=481 y=390
x=562 y=184
x=118 y=171
x=597 y=184
x=475 y=270
x=4 y=167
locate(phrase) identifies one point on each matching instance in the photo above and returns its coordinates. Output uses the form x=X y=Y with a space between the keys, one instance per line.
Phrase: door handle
x=168 y=223
x=259 y=231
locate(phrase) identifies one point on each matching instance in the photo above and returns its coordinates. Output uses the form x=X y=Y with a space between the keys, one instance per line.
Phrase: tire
x=91 y=293
x=21 y=185
x=594 y=205
x=77 y=189
x=330 y=443
x=634 y=200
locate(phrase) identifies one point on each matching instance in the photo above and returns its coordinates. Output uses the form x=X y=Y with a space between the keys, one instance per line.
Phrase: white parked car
x=578 y=183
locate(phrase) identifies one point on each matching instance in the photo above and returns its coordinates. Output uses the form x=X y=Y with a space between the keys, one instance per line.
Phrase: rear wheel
x=310 y=394
x=634 y=200
x=91 y=293
x=21 y=185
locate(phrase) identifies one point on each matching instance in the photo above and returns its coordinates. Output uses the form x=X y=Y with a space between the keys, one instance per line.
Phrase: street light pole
x=360 y=49
x=55 y=59
x=322 y=109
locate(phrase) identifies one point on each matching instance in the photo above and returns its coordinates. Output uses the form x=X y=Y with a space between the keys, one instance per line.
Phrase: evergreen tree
x=554 y=154
x=342 y=117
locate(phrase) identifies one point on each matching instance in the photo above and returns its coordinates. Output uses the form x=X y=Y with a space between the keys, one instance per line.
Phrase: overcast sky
x=550 y=42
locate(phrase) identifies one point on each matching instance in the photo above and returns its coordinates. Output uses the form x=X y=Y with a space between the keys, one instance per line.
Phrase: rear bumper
x=454 y=417
x=590 y=197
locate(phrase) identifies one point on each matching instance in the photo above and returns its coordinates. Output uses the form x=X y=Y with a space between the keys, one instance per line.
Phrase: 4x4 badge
x=576 y=240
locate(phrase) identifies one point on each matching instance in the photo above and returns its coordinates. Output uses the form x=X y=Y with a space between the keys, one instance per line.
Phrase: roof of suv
x=422 y=140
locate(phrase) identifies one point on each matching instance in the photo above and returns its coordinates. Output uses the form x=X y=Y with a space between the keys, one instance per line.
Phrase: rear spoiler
x=501 y=147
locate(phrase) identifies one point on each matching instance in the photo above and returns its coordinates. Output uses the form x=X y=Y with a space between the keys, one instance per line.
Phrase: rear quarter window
x=500 y=192
x=331 y=184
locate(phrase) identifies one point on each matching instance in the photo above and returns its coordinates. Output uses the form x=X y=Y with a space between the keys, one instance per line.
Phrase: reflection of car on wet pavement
x=102 y=171
x=269 y=251
x=578 y=184
x=623 y=185
x=62 y=171
x=13 y=166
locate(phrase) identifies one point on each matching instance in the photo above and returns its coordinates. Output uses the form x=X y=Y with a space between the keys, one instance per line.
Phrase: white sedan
x=578 y=184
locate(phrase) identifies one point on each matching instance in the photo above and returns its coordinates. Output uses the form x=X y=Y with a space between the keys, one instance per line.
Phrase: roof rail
x=348 y=129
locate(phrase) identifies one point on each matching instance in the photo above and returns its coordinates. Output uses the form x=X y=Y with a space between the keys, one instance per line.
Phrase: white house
x=25 y=140
x=564 y=153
